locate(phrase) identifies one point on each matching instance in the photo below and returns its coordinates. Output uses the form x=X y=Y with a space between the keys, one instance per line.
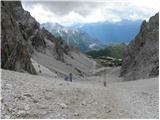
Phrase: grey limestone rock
x=141 y=57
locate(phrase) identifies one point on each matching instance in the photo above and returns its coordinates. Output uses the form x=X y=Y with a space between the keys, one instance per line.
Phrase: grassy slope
x=113 y=51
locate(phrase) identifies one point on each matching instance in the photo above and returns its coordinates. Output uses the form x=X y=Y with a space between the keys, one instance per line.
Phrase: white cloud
x=40 y=13
x=69 y=12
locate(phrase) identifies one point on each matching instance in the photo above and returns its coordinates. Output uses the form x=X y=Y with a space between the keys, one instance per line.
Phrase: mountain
x=73 y=36
x=141 y=58
x=25 y=47
x=111 y=33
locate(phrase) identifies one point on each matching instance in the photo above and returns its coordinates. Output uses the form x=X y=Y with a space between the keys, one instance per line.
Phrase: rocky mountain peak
x=141 y=58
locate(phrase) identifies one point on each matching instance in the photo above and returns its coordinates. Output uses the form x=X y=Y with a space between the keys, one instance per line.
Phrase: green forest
x=111 y=55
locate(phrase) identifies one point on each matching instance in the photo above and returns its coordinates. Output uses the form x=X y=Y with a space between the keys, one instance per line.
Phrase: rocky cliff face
x=14 y=54
x=21 y=33
x=141 y=58
x=23 y=39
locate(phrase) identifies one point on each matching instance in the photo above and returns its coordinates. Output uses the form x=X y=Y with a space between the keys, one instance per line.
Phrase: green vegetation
x=109 y=56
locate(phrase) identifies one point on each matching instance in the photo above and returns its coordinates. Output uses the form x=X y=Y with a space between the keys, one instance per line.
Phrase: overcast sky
x=73 y=12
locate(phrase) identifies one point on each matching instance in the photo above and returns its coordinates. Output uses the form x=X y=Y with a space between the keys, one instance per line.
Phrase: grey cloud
x=110 y=11
x=64 y=7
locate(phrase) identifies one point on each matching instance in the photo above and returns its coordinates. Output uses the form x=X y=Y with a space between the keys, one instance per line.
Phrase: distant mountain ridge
x=73 y=36
x=112 y=33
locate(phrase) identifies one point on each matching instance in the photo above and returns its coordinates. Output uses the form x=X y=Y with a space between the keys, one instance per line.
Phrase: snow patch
x=92 y=45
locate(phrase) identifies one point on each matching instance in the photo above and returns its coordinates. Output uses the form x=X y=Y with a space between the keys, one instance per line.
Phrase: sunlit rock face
x=141 y=57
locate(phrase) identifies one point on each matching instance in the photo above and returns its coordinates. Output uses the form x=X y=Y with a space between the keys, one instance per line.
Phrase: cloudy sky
x=72 y=12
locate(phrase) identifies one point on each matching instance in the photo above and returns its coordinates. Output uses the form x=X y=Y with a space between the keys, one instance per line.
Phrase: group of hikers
x=68 y=77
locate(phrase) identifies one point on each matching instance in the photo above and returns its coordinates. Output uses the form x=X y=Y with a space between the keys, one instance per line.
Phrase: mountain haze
x=73 y=36
x=112 y=33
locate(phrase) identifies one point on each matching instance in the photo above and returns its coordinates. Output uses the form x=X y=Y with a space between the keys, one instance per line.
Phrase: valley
x=50 y=71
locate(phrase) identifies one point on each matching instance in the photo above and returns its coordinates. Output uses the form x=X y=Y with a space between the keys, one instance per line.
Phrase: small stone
x=8 y=86
x=58 y=115
x=91 y=101
x=84 y=103
x=108 y=111
x=48 y=97
x=44 y=112
x=27 y=95
x=105 y=106
x=27 y=107
x=63 y=105
x=76 y=114
x=42 y=107
x=20 y=97
x=35 y=101
x=21 y=112
x=2 y=100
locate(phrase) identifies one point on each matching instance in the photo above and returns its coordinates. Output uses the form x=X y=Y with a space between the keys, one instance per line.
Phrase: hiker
x=105 y=77
x=39 y=69
x=70 y=77
x=104 y=83
x=66 y=78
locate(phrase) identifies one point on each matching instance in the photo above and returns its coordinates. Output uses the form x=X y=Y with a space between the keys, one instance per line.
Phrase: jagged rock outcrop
x=14 y=55
x=141 y=57
x=48 y=35
x=60 y=46
x=19 y=60
x=29 y=27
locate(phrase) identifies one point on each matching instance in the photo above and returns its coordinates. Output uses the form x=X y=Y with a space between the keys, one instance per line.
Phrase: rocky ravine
x=23 y=39
x=141 y=58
